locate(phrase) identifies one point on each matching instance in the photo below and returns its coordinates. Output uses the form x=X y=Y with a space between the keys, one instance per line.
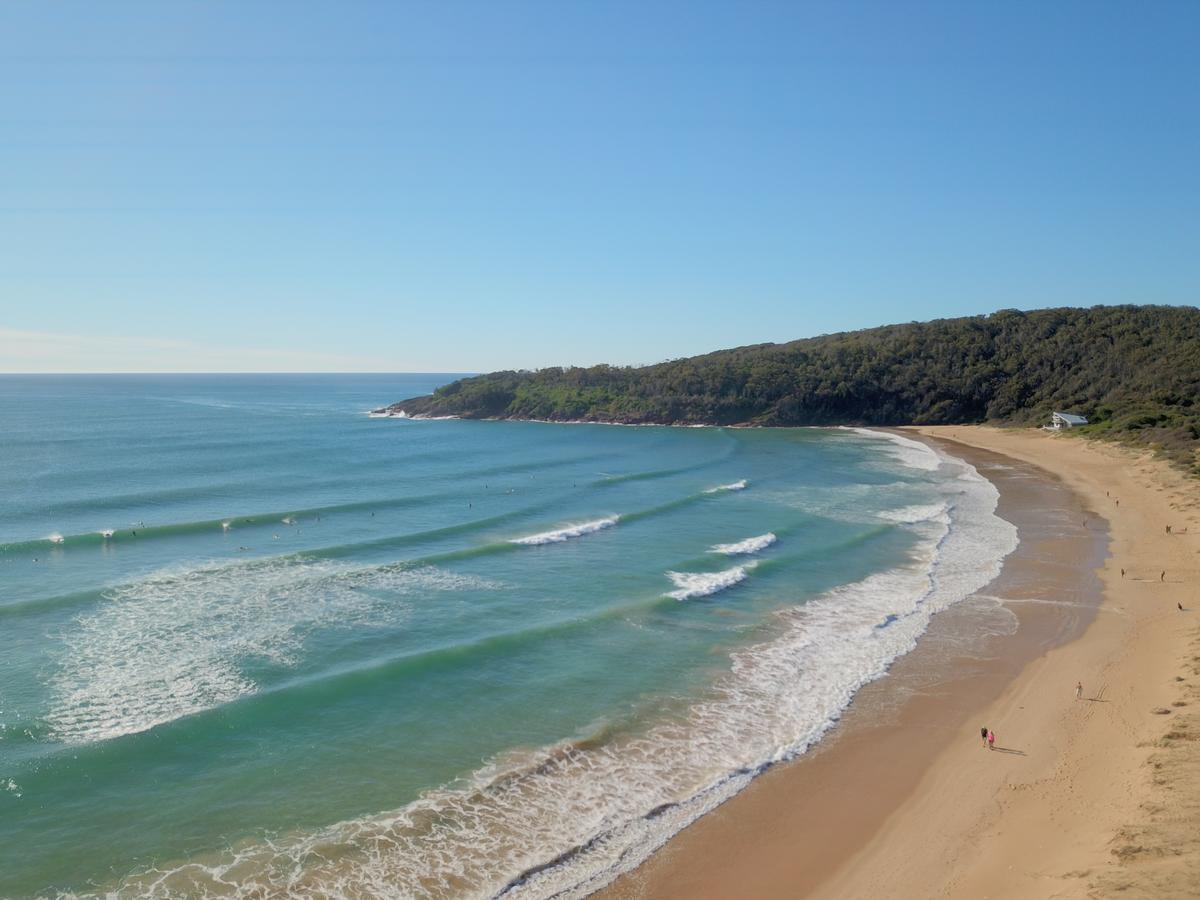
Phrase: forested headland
x=1134 y=371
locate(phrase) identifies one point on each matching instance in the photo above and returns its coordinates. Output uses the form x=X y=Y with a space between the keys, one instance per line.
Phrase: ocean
x=257 y=643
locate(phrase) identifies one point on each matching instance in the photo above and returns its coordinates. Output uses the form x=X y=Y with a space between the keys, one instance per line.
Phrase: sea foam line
x=558 y=535
x=749 y=545
x=177 y=642
x=905 y=451
x=911 y=515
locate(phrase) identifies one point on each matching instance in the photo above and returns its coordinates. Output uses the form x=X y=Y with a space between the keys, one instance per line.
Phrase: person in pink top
x=991 y=740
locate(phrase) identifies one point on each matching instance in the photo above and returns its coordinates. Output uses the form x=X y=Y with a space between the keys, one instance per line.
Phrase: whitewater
x=312 y=625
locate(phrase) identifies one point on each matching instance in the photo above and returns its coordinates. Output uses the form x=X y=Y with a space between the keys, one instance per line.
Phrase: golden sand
x=1099 y=797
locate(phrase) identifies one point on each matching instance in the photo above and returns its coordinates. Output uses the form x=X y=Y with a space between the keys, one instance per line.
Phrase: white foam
x=905 y=451
x=702 y=584
x=749 y=545
x=401 y=414
x=910 y=515
x=602 y=808
x=55 y=538
x=845 y=502
x=176 y=642
x=567 y=532
x=735 y=486
x=106 y=533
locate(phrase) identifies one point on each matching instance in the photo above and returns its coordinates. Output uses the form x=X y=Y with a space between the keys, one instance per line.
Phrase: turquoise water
x=258 y=643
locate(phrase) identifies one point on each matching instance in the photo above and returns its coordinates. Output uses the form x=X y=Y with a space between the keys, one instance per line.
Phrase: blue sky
x=452 y=186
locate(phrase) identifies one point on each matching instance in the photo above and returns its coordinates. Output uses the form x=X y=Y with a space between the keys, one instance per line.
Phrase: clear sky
x=449 y=186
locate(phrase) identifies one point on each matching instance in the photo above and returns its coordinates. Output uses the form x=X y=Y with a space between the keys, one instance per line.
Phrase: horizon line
x=281 y=372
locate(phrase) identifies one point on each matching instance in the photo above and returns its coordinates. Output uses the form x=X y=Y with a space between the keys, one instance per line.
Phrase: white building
x=1061 y=420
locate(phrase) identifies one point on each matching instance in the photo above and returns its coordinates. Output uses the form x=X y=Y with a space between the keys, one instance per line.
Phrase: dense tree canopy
x=1133 y=370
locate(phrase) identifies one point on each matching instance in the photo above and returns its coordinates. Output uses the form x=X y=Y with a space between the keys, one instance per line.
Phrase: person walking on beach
x=983 y=733
x=1079 y=690
x=1162 y=576
x=991 y=740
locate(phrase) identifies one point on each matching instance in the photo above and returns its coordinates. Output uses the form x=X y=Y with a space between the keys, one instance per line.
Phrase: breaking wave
x=558 y=535
x=749 y=545
x=702 y=584
x=910 y=515
x=735 y=486
x=906 y=451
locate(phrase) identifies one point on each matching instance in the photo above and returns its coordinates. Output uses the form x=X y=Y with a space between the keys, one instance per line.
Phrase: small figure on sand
x=991 y=740
x=1079 y=690
x=1162 y=576
x=1122 y=573
x=1180 y=605
x=1168 y=529
x=983 y=733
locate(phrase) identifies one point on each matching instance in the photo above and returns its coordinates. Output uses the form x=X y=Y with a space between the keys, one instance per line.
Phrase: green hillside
x=1133 y=370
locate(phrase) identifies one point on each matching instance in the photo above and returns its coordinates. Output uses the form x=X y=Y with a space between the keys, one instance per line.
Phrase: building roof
x=1071 y=418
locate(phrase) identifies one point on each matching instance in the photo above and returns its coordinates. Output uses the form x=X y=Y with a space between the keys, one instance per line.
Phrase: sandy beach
x=1091 y=797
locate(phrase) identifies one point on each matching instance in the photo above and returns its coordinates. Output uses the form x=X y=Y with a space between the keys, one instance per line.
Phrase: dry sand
x=1101 y=797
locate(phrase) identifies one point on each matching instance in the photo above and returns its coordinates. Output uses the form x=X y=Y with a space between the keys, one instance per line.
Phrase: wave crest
x=734 y=486
x=558 y=535
x=749 y=545
x=702 y=584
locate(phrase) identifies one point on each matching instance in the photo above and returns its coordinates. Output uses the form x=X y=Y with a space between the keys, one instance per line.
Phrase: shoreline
x=899 y=800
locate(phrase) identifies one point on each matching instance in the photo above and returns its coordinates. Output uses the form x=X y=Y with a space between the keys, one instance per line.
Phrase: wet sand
x=902 y=800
